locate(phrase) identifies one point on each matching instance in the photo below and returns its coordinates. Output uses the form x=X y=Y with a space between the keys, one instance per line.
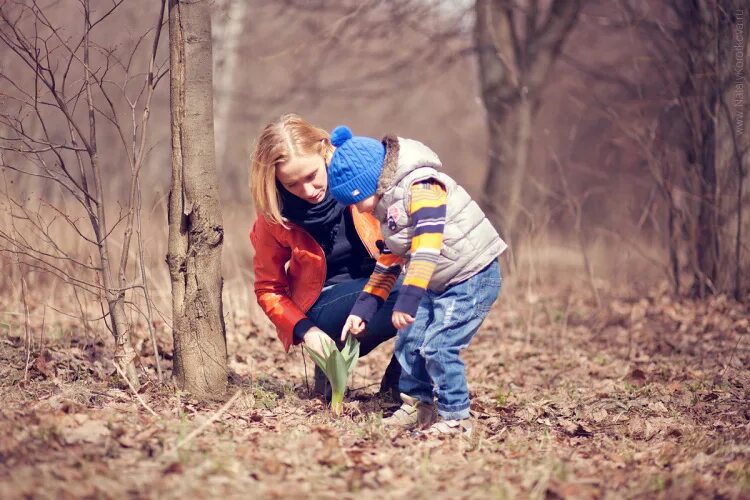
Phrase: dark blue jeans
x=330 y=311
x=428 y=349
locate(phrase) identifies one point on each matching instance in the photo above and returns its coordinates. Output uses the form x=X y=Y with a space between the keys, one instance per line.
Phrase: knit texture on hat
x=355 y=167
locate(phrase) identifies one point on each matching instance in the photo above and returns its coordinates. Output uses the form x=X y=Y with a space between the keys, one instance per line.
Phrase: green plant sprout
x=337 y=366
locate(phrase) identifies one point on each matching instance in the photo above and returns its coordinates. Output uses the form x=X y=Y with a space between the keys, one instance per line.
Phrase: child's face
x=368 y=204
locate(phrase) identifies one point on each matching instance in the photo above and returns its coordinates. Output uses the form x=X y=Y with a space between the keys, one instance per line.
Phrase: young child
x=436 y=231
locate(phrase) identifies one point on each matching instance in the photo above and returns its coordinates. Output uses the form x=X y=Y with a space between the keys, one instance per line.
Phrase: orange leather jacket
x=286 y=293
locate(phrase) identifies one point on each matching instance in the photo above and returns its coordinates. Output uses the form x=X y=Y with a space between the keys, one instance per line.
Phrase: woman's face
x=305 y=177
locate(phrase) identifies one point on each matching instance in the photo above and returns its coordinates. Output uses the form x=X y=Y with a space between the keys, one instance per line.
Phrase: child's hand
x=401 y=320
x=354 y=324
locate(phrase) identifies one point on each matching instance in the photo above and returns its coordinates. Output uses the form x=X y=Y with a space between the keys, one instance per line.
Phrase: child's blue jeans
x=428 y=349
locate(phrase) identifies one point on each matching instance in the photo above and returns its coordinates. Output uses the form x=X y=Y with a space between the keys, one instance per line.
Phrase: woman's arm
x=271 y=283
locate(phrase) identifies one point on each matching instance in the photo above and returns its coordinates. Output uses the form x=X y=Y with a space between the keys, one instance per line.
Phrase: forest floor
x=645 y=397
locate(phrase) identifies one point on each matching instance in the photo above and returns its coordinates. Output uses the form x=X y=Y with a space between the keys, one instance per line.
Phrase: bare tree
x=688 y=137
x=517 y=43
x=195 y=224
x=706 y=29
x=53 y=106
x=230 y=22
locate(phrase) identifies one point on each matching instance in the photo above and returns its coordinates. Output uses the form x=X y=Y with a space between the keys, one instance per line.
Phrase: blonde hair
x=286 y=138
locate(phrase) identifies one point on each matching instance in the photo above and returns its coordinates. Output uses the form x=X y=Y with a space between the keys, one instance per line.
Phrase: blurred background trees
x=690 y=134
x=517 y=45
x=606 y=139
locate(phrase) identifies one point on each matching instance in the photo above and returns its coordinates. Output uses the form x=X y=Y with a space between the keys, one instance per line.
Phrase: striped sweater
x=427 y=210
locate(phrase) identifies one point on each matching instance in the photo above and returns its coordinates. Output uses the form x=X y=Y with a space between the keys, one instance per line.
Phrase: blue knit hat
x=355 y=167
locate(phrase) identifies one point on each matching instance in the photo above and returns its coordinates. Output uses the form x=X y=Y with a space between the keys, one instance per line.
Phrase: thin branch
x=195 y=433
x=134 y=391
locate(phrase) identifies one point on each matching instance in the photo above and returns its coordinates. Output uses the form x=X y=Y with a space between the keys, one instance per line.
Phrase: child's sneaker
x=412 y=413
x=450 y=428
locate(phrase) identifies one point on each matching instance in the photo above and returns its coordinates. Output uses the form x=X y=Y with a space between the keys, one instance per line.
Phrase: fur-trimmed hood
x=401 y=157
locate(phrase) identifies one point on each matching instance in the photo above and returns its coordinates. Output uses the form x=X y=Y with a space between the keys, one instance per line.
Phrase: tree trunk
x=195 y=224
x=673 y=241
x=708 y=238
x=509 y=143
x=226 y=57
x=124 y=355
x=499 y=84
x=512 y=72
x=708 y=27
x=732 y=140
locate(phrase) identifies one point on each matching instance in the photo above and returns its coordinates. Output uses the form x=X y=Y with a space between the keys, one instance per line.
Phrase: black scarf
x=321 y=220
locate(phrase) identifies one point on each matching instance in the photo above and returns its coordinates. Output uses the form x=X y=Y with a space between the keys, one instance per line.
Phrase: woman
x=313 y=256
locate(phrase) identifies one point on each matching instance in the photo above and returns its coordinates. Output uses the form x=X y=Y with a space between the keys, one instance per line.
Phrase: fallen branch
x=208 y=422
x=147 y=407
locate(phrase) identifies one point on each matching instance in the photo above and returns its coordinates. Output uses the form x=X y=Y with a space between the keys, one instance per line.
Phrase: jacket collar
x=401 y=157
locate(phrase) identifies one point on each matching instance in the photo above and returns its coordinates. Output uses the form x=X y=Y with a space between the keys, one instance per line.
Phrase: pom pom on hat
x=340 y=135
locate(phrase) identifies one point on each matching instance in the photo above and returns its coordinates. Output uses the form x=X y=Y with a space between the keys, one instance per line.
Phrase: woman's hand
x=401 y=320
x=354 y=324
x=315 y=338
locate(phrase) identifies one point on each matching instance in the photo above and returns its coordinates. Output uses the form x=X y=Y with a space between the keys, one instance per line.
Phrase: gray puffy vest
x=470 y=242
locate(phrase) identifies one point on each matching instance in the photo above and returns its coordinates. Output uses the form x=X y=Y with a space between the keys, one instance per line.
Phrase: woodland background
x=606 y=139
